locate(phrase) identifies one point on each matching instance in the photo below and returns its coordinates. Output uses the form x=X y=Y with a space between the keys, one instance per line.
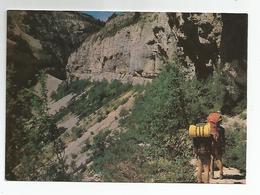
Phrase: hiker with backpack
x=218 y=141
x=208 y=142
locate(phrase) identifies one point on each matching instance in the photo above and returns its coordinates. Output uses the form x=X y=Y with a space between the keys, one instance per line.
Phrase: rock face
x=133 y=47
x=234 y=47
x=199 y=37
x=40 y=39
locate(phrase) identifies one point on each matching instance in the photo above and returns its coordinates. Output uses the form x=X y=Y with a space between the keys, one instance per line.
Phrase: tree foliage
x=36 y=130
x=156 y=146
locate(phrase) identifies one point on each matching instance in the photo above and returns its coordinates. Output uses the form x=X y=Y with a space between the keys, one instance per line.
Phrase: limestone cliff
x=130 y=46
x=133 y=47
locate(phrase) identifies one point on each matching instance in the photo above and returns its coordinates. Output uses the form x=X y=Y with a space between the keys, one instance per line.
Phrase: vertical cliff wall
x=133 y=47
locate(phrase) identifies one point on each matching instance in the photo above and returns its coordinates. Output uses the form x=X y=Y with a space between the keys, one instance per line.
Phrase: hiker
x=218 y=141
x=209 y=148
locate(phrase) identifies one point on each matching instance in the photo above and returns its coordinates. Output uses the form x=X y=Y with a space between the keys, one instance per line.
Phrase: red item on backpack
x=214 y=117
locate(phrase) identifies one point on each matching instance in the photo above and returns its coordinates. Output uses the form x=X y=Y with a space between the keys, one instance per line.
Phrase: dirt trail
x=231 y=176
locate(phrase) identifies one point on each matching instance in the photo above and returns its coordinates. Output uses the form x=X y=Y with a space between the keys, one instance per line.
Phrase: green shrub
x=75 y=87
x=124 y=101
x=235 y=152
x=77 y=132
x=123 y=113
x=125 y=160
x=163 y=170
x=243 y=115
x=100 y=94
x=61 y=114
x=56 y=171
x=86 y=146
x=99 y=142
x=155 y=121
x=60 y=93
x=101 y=117
x=154 y=149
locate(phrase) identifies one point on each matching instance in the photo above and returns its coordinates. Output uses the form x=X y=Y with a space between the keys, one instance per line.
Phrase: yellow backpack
x=200 y=130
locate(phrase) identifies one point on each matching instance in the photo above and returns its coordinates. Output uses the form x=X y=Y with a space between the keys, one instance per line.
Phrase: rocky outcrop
x=45 y=39
x=131 y=46
x=135 y=46
x=213 y=41
x=199 y=37
x=234 y=47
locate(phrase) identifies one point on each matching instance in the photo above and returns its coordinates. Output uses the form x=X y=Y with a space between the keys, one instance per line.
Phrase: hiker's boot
x=221 y=176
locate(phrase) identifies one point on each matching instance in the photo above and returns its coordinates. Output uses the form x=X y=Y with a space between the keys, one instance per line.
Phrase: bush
x=101 y=117
x=154 y=148
x=100 y=94
x=125 y=159
x=163 y=170
x=243 y=115
x=61 y=114
x=107 y=158
x=155 y=121
x=124 y=101
x=235 y=154
x=75 y=87
x=123 y=113
x=77 y=132
x=86 y=146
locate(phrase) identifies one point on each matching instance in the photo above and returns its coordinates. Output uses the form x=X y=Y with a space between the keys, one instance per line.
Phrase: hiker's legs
x=206 y=167
x=219 y=163
x=220 y=167
x=212 y=167
x=206 y=172
x=200 y=168
x=203 y=164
